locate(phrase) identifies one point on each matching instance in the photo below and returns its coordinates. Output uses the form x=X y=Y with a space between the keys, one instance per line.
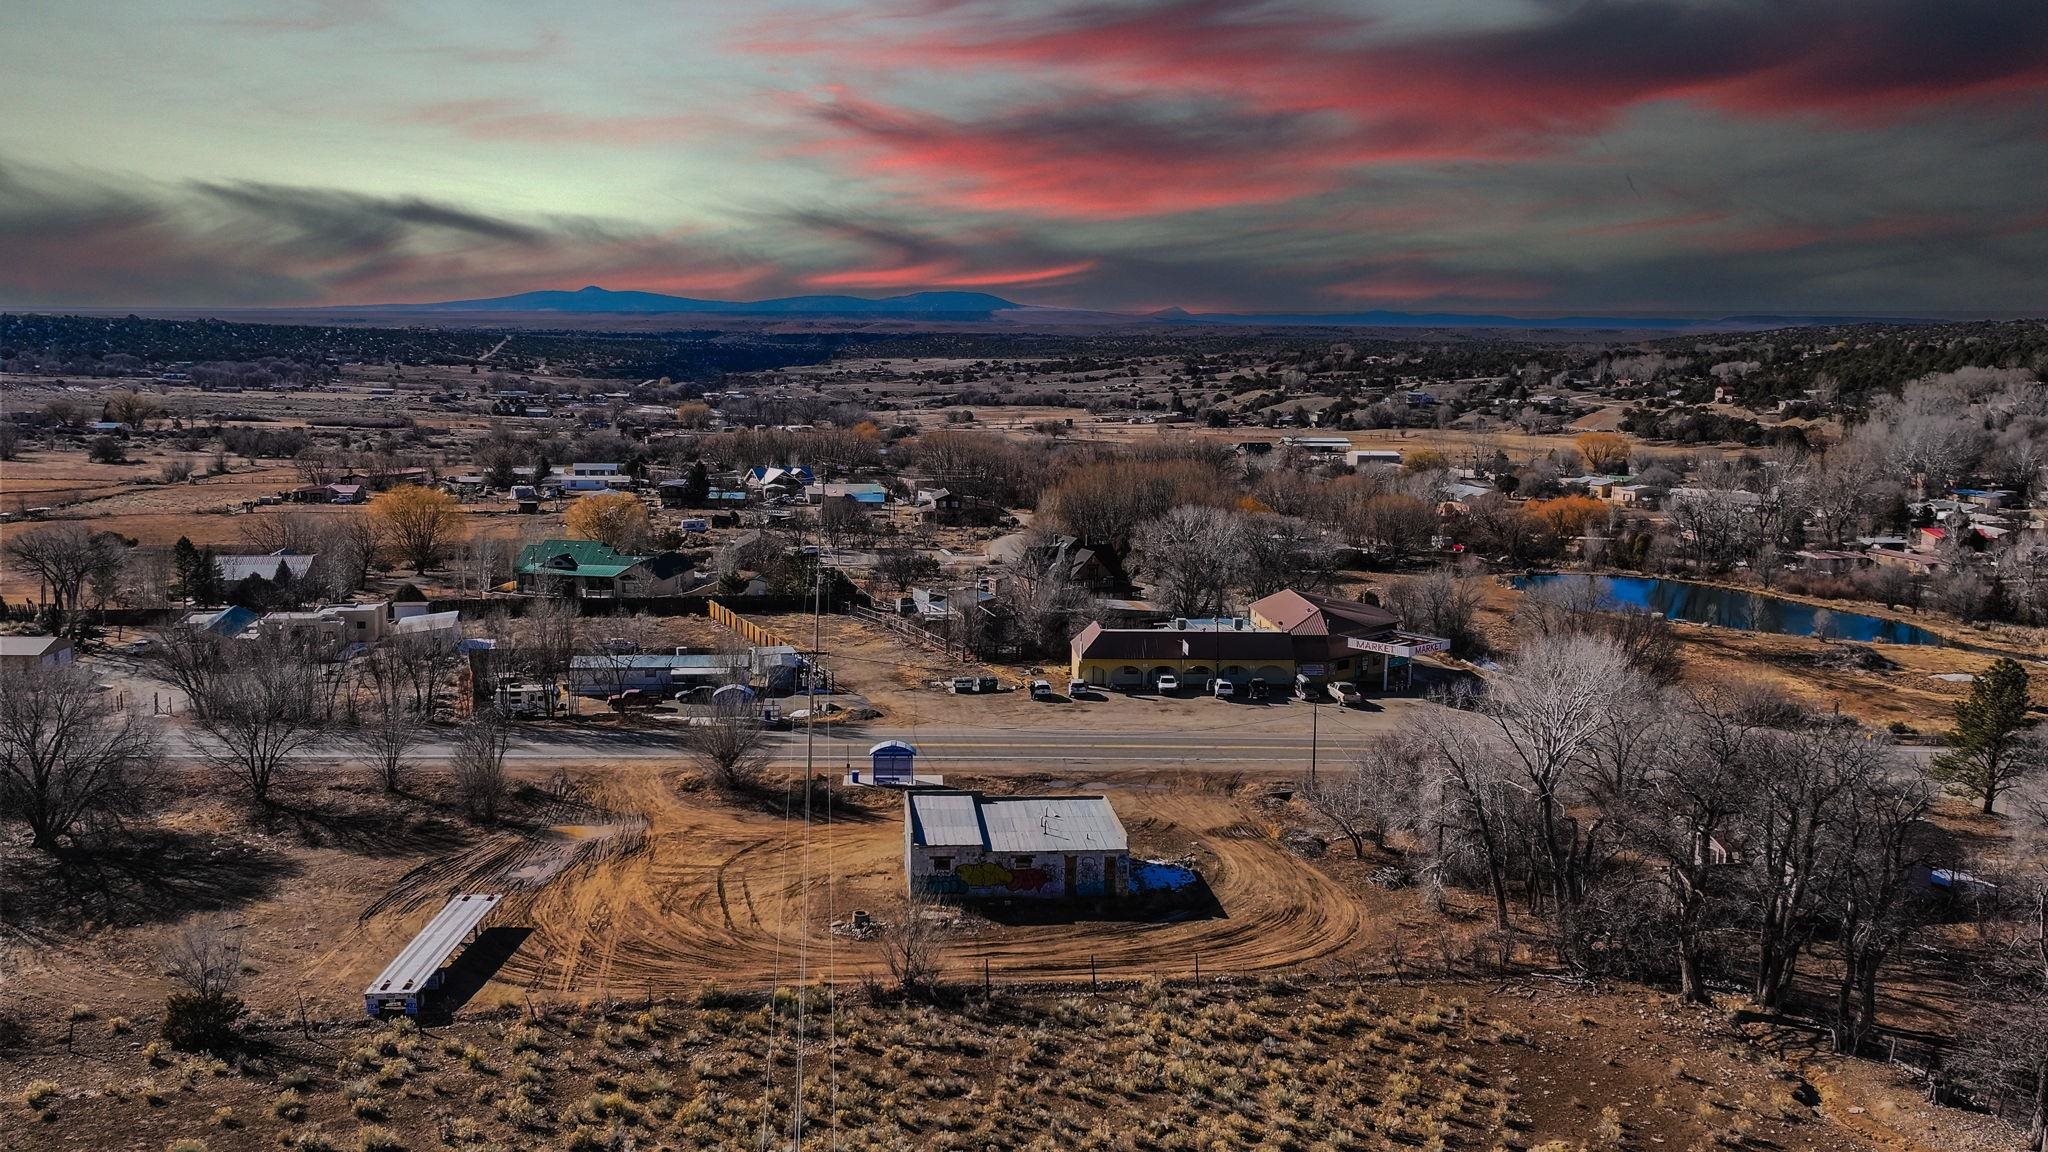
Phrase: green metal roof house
x=588 y=570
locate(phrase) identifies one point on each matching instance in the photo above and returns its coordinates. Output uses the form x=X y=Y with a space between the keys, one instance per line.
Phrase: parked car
x=1076 y=689
x=965 y=685
x=1224 y=689
x=632 y=700
x=987 y=684
x=1167 y=682
x=1041 y=689
x=1347 y=693
x=1256 y=690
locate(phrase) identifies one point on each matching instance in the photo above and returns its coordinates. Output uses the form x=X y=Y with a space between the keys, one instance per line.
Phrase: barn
x=965 y=844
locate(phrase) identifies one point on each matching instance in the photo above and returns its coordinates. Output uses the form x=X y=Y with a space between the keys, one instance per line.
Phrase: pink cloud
x=946 y=273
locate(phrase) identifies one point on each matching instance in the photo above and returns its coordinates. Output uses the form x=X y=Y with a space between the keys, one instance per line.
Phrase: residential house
x=1022 y=560
x=865 y=493
x=1287 y=639
x=29 y=653
x=586 y=569
x=1373 y=458
x=967 y=845
x=235 y=569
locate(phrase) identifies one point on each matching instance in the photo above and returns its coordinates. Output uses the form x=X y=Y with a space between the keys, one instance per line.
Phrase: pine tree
x=198 y=575
x=696 y=485
x=1988 y=751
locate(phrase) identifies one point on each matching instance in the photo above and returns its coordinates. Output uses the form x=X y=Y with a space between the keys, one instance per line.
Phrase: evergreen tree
x=197 y=573
x=697 y=484
x=1988 y=751
x=500 y=474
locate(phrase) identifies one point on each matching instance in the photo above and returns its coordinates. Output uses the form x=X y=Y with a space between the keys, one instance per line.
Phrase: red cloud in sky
x=1398 y=283
x=1091 y=159
x=1180 y=105
x=947 y=274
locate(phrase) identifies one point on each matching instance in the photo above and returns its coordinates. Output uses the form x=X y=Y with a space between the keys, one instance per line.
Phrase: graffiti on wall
x=987 y=877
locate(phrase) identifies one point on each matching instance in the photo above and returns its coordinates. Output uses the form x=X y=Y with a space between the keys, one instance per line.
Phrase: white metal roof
x=1016 y=823
x=945 y=819
x=430 y=949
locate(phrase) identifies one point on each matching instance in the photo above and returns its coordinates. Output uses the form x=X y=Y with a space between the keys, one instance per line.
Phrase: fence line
x=755 y=634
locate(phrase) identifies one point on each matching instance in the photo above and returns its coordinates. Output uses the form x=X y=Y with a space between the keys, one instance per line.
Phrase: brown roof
x=1303 y=615
x=1098 y=643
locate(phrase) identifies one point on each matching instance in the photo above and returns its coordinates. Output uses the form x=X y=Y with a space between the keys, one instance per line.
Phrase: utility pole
x=1312 y=739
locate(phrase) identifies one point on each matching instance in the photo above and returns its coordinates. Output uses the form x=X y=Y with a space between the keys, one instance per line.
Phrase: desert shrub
x=376 y=1138
x=39 y=1094
x=289 y=1104
x=186 y=1144
x=201 y=1022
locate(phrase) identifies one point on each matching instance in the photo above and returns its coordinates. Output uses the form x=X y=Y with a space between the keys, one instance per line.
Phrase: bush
x=106 y=450
x=202 y=1023
x=38 y=1094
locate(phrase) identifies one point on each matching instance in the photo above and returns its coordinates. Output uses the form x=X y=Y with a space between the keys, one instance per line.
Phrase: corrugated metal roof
x=944 y=819
x=1053 y=824
x=1023 y=824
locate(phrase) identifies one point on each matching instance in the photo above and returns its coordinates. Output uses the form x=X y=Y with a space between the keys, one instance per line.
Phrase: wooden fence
x=753 y=633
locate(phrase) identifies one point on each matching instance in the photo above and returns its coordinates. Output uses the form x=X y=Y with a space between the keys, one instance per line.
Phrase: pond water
x=1728 y=608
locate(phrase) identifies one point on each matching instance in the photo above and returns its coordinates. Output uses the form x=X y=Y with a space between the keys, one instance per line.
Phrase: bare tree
x=1442 y=603
x=260 y=708
x=544 y=643
x=1373 y=796
x=1804 y=776
x=387 y=723
x=479 y=765
x=910 y=946
x=66 y=560
x=1548 y=710
x=1874 y=906
x=729 y=746
x=1681 y=816
x=70 y=755
x=1191 y=557
x=204 y=962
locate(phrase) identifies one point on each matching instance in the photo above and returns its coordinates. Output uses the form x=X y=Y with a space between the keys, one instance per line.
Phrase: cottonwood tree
x=67 y=561
x=1190 y=557
x=1443 y=602
x=618 y=520
x=70 y=755
x=1372 y=796
x=544 y=642
x=386 y=722
x=418 y=524
x=1988 y=749
x=260 y=706
x=1681 y=816
x=1807 y=774
x=1547 y=709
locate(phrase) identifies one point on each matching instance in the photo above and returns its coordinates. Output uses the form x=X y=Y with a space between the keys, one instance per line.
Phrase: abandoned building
x=965 y=844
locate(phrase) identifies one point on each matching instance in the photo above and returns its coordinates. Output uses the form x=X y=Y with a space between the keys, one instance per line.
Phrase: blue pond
x=1748 y=611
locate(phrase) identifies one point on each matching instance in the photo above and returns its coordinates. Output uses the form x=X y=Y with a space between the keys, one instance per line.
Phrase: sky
x=1528 y=156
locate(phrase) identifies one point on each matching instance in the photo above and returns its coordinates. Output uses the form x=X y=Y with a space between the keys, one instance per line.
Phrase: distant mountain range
x=1380 y=318
x=594 y=300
